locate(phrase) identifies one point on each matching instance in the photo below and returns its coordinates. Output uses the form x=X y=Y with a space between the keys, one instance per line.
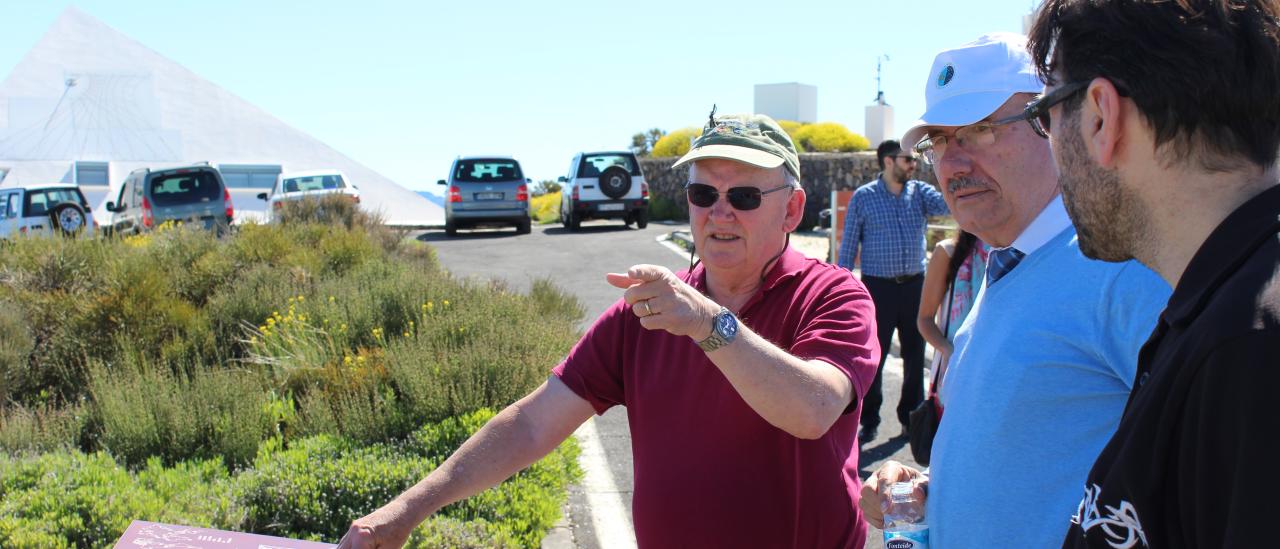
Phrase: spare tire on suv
x=68 y=218
x=615 y=182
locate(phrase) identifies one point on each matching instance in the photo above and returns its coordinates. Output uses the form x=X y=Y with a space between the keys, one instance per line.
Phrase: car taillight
x=277 y=205
x=355 y=198
x=148 y=220
x=644 y=190
x=455 y=194
x=574 y=194
x=226 y=197
x=522 y=193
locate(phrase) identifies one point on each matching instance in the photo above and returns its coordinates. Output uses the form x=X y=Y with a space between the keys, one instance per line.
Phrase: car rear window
x=185 y=188
x=313 y=183
x=482 y=171
x=39 y=202
x=594 y=164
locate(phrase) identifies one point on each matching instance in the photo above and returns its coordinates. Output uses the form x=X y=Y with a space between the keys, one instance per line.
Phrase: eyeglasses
x=973 y=136
x=1037 y=111
x=741 y=198
x=908 y=157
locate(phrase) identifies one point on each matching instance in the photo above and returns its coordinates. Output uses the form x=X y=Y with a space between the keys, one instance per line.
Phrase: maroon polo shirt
x=709 y=471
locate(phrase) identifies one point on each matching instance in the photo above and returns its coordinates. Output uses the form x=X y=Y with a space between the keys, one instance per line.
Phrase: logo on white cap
x=947 y=74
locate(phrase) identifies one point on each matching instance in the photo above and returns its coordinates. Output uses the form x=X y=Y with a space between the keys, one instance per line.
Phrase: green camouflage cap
x=751 y=138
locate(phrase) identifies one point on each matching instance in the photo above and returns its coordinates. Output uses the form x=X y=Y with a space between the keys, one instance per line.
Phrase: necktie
x=1001 y=261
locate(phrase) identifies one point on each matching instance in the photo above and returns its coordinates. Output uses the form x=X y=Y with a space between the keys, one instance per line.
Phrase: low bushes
x=310 y=490
x=201 y=362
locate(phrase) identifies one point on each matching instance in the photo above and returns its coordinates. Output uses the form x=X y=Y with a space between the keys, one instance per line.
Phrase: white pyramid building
x=89 y=105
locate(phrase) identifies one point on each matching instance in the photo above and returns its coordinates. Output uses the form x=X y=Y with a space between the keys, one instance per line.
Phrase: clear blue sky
x=404 y=87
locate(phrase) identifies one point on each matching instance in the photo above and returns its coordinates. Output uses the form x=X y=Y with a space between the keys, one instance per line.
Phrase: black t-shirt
x=1195 y=461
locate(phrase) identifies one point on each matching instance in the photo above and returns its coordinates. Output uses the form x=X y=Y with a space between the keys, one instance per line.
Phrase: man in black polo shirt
x=1165 y=122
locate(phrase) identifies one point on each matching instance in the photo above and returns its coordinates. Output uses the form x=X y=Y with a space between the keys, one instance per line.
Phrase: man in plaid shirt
x=886 y=219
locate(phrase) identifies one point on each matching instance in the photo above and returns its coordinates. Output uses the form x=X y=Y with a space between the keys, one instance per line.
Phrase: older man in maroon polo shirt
x=742 y=377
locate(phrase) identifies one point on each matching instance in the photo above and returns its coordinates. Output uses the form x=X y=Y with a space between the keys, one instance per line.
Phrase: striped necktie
x=1001 y=261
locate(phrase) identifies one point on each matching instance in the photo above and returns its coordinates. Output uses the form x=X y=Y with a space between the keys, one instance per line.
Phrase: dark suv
x=485 y=191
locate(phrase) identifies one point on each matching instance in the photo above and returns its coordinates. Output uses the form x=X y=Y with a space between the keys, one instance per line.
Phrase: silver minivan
x=189 y=194
x=486 y=191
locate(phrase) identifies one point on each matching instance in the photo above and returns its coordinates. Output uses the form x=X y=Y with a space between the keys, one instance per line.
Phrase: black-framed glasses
x=908 y=157
x=741 y=198
x=1037 y=111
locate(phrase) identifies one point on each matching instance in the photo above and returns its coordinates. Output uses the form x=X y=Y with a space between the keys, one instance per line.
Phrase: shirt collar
x=1228 y=247
x=1050 y=223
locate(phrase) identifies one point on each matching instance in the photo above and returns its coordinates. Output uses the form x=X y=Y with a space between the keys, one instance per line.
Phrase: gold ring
x=647 y=310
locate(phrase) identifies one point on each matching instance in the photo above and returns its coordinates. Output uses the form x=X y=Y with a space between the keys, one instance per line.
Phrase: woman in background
x=951 y=284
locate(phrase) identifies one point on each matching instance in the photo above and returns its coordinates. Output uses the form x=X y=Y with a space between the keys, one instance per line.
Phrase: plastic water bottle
x=904 y=526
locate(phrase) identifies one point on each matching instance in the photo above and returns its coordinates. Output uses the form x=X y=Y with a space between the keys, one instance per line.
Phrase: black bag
x=924 y=420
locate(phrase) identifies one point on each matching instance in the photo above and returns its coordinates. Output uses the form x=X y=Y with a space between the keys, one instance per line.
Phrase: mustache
x=961 y=183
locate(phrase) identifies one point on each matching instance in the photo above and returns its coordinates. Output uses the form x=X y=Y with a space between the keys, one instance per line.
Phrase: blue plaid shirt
x=889 y=228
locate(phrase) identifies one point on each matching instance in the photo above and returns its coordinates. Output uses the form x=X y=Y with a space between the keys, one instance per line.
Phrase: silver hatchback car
x=486 y=191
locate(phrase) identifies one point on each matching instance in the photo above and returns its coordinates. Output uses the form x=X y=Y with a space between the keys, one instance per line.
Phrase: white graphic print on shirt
x=1121 y=525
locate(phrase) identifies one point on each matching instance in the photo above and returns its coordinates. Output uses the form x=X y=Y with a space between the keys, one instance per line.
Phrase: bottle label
x=915 y=539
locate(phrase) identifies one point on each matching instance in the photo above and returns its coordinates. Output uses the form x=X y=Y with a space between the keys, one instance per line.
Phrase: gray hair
x=791 y=178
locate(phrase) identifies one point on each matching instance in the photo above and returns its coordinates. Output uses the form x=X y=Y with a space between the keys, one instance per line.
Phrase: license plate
x=611 y=207
x=488 y=196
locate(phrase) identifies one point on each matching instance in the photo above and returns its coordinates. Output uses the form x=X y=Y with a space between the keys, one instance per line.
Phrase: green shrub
x=829 y=137
x=175 y=345
x=662 y=208
x=16 y=342
x=41 y=428
x=329 y=209
x=147 y=411
x=72 y=499
x=442 y=532
x=675 y=143
x=553 y=303
x=316 y=487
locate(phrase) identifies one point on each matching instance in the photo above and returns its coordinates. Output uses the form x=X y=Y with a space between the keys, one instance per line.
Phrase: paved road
x=578 y=262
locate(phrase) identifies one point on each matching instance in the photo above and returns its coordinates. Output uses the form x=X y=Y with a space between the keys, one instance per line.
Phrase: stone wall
x=820 y=174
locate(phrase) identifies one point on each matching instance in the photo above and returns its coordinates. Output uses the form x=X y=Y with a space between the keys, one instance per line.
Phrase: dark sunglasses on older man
x=741 y=198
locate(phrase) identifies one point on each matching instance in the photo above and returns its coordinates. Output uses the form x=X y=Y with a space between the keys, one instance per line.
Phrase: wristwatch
x=724 y=328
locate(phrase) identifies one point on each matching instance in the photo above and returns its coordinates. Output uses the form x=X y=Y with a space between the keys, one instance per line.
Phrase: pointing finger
x=619 y=280
x=648 y=273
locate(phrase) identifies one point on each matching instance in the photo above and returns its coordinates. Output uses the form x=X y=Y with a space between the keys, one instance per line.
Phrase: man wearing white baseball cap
x=1044 y=362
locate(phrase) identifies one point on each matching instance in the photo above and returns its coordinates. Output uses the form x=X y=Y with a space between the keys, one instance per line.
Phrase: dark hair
x=888 y=147
x=1205 y=74
x=965 y=242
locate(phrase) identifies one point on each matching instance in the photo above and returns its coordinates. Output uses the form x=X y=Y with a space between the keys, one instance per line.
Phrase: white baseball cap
x=969 y=82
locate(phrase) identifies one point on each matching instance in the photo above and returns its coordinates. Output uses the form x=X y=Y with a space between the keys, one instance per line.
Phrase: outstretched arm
x=515 y=438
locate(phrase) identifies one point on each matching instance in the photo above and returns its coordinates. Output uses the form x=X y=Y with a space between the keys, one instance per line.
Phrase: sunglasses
x=741 y=198
x=910 y=158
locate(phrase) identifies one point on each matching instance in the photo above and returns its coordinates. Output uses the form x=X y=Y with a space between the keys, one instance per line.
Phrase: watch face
x=726 y=325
